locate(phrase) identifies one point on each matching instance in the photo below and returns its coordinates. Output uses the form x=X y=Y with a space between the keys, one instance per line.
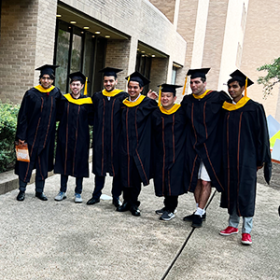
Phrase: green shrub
x=8 y=126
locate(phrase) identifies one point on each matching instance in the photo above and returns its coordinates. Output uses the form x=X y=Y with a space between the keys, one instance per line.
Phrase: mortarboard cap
x=47 y=69
x=77 y=76
x=198 y=73
x=239 y=76
x=168 y=88
x=137 y=77
x=110 y=71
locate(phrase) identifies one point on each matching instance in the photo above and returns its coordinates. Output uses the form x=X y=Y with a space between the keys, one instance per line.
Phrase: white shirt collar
x=134 y=99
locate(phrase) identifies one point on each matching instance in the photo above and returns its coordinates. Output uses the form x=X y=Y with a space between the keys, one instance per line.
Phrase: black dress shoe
x=279 y=210
x=21 y=196
x=197 y=221
x=93 y=201
x=135 y=211
x=124 y=207
x=41 y=196
x=190 y=217
x=116 y=202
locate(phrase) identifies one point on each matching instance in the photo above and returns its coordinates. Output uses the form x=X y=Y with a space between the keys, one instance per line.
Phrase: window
x=174 y=75
x=143 y=66
x=78 y=50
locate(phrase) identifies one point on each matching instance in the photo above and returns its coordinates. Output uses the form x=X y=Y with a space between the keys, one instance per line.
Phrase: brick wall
x=27 y=41
x=158 y=74
x=17 y=48
x=214 y=39
x=261 y=46
x=186 y=28
x=117 y=55
x=166 y=7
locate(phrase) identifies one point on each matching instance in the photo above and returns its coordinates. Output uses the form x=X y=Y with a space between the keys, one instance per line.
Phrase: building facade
x=85 y=36
x=159 y=38
x=226 y=35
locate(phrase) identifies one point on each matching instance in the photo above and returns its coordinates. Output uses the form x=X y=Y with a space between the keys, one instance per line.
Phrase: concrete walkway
x=64 y=240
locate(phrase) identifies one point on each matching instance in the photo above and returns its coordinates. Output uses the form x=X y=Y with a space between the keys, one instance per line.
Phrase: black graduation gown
x=245 y=147
x=204 y=137
x=36 y=125
x=106 y=133
x=169 y=143
x=73 y=137
x=136 y=141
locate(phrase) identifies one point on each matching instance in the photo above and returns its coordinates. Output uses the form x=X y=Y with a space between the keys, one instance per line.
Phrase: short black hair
x=114 y=75
x=241 y=83
x=51 y=76
x=202 y=79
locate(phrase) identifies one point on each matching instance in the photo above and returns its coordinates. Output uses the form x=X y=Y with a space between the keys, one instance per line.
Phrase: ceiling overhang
x=149 y=51
x=83 y=21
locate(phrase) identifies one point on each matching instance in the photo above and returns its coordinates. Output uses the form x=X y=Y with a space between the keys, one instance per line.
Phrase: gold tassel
x=128 y=79
x=86 y=86
x=246 y=85
x=185 y=84
x=159 y=96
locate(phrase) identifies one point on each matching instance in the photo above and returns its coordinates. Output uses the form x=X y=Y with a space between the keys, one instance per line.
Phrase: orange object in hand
x=22 y=152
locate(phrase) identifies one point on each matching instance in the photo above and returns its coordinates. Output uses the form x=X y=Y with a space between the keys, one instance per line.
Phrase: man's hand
x=152 y=94
x=21 y=141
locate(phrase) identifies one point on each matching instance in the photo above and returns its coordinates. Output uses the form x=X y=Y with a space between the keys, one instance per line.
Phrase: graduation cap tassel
x=159 y=96
x=86 y=86
x=246 y=85
x=185 y=84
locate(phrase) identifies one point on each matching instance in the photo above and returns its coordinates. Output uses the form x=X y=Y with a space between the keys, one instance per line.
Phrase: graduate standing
x=246 y=149
x=203 y=147
x=135 y=142
x=75 y=114
x=36 y=127
x=169 y=143
x=106 y=135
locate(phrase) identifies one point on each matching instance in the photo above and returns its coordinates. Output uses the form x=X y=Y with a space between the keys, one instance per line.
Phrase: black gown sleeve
x=263 y=144
x=22 y=122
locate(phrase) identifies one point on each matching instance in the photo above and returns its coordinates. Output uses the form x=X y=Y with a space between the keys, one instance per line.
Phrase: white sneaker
x=60 y=196
x=78 y=198
x=162 y=210
x=166 y=216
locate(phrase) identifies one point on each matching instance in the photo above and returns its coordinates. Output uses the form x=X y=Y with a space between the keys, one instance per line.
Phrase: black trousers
x=170 y=203
x=130 y=194
x=99 y=185
x=64 y=180
x=39 y=185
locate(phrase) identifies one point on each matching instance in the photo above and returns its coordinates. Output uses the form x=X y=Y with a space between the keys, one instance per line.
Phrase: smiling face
x=46 y=81
x=76 y=87
x=198 y=87
x=134 y=90
x=167 y=100
x=235 y=91
x=110 y=83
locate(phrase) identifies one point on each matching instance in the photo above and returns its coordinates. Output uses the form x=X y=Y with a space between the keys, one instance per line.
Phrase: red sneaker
x=229 y=231
x=246 y=239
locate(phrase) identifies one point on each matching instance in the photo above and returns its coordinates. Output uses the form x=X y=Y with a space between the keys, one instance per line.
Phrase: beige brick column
x=45 y=37
x=214 y=39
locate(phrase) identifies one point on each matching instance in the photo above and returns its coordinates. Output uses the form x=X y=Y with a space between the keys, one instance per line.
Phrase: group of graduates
x=208 y=140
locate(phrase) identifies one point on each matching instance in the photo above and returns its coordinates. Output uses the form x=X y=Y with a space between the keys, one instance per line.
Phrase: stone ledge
x=9 y=180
